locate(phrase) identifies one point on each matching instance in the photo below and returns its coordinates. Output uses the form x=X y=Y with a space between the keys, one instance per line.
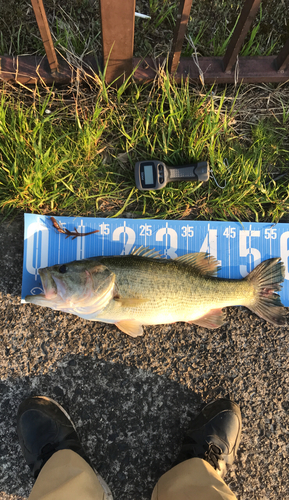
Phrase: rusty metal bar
x=43 y=26
x=246 y=18
x=32 y=69
x=282 y=59
x=117 y=24
x=179 y=33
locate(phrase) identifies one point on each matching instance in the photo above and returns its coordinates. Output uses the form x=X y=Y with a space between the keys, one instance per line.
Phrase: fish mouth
x=48 y=283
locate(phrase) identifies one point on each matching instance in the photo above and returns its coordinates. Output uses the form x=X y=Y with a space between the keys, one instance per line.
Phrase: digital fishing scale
x=154 y=174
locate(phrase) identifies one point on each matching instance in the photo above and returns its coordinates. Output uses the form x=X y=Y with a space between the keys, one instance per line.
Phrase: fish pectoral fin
x=129 y=301
x=131 y=327
x=213 y=319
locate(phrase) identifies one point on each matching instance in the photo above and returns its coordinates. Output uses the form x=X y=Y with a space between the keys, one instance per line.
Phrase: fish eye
x=62 y=269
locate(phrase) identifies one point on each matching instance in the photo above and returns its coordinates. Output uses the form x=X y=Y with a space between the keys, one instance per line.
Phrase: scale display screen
x=148 y=174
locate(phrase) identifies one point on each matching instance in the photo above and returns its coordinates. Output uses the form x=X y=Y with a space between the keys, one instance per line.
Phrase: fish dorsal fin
x=205 y=263
x=146 y=252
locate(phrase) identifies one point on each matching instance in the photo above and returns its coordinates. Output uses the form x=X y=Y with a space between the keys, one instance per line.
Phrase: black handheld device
x=154 y=174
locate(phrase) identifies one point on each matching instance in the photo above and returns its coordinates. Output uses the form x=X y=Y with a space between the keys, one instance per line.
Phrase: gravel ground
x=131 y=398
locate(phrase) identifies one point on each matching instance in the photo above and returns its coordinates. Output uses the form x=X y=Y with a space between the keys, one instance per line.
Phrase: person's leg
x=209 y=448
x=67 y=476
x=54 y=454
x=194 y=479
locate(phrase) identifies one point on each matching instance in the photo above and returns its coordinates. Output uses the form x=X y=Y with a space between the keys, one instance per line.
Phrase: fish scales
x=174 y=292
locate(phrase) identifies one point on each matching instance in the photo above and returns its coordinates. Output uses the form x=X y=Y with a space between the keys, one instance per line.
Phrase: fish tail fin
x=266 y=279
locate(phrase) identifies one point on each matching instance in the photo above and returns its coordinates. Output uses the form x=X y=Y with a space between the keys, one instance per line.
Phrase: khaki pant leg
x=67 y=476
x=194 y=479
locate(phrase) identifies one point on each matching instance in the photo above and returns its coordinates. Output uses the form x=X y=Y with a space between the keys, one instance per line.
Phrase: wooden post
x=179 y=34
x=43 y=26
x=246 y=18
x=282 y=59
x=117 y=24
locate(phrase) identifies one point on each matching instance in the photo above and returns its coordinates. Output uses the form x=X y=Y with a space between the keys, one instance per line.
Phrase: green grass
x=212 y=23
x=79 y=159
x=210 y=26
x=75 y=26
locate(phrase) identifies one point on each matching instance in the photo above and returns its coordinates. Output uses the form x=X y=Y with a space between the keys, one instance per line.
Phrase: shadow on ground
x=128 y=420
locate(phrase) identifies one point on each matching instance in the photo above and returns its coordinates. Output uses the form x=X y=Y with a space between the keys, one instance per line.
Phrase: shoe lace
x=50 y=448
x=47 y=451
x=212 y=455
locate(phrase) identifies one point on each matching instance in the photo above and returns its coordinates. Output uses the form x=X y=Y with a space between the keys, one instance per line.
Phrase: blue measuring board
x=238 y=247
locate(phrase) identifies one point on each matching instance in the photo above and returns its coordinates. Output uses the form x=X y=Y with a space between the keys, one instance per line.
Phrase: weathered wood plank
x=282 y=59
x=250 y=70
x=44 y=29
x=117 y=21
x=33 y=69
x=179 y=33
x=246 y=18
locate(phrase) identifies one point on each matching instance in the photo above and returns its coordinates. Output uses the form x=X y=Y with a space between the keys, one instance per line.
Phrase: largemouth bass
x=144 y=289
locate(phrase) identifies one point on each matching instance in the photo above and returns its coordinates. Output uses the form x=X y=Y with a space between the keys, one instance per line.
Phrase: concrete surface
x=130 y=398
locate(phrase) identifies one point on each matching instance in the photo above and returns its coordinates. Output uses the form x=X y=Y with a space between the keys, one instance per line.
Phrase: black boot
x=43 y=428
x=214 y=435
